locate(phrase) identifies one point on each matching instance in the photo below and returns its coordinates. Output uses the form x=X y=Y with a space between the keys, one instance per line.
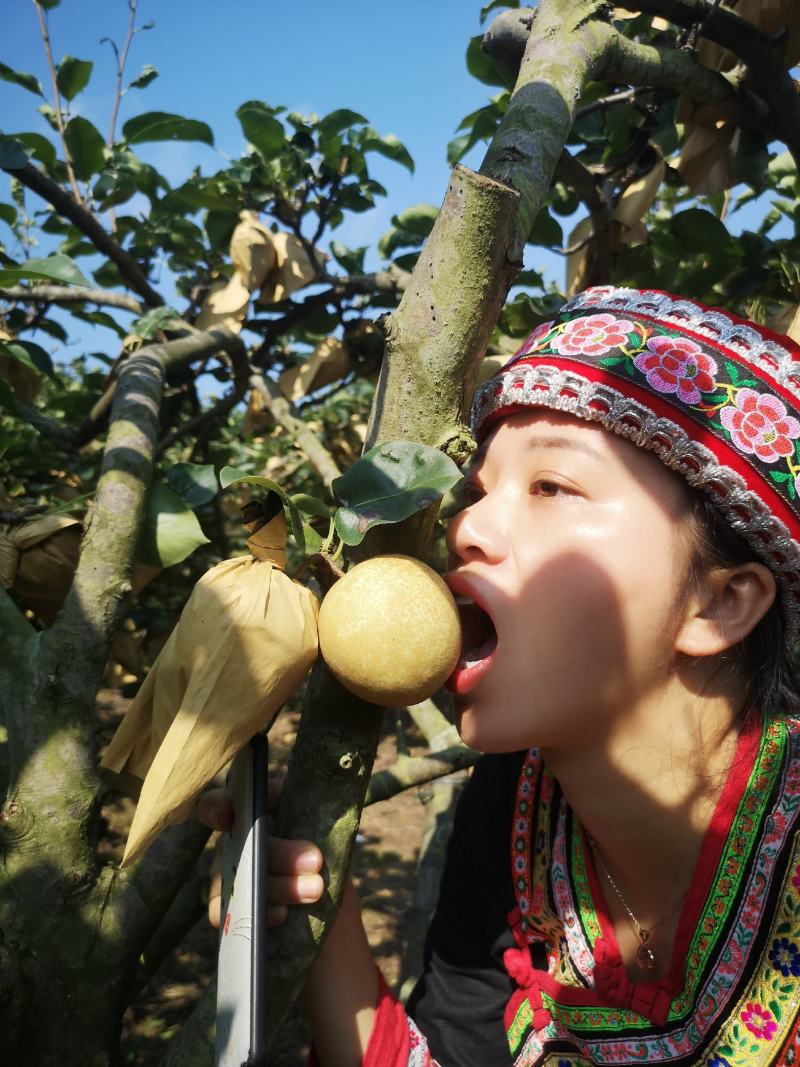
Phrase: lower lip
x=463 y=679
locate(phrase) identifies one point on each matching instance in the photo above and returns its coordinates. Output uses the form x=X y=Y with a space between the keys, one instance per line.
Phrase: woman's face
x=575 y=541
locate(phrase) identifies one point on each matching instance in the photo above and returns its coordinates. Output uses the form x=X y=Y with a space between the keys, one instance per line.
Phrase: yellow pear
x=390 y=630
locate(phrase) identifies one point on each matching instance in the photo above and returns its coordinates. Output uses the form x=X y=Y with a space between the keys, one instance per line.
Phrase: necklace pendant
x=644 y=935
x=645 y=957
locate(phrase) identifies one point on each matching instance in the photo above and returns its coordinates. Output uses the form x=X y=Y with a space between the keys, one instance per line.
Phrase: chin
x=482 y=737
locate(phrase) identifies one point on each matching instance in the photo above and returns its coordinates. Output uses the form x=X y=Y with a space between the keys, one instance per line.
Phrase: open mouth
x=478 y=645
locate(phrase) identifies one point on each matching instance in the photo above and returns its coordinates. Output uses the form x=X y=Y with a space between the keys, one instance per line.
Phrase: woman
x=622 y=882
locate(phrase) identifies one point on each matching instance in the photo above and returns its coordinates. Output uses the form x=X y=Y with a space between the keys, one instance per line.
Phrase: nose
x=477 y=533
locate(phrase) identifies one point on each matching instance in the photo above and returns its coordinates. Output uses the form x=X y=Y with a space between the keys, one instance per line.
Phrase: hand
x=294 y=866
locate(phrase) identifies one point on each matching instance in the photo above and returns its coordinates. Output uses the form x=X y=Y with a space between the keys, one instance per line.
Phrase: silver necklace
x=645 y=957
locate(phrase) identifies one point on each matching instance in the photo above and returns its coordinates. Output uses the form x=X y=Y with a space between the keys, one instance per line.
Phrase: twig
x=416 y=770
x=283 y=412
x=121 y=60
x=70 y=208
x=583 y=183
x=72 y=294
x=622 y=97
x=41 y=14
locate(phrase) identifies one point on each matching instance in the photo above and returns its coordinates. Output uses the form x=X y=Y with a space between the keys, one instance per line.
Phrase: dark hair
x=765 y=662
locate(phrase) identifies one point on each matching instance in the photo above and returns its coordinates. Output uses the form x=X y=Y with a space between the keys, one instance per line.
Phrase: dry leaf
x=24 y=381
x=706 y=160
x=293 y=269
x=636 y=201
x=793 y=330
x=577 y=262
x=225 y=305
x=328 y=363
x=252 y=250
x=257 y=417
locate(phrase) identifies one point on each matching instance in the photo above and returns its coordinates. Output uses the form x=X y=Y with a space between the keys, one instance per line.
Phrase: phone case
x=242 y=967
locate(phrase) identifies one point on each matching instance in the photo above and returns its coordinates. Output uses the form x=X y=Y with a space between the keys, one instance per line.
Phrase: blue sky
x=401 y=65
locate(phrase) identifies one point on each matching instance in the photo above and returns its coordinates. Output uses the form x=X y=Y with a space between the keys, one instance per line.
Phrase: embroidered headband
x=715 y=397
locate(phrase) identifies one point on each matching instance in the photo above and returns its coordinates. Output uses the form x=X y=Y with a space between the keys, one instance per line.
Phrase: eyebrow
x=563 y=442
x=534 y=443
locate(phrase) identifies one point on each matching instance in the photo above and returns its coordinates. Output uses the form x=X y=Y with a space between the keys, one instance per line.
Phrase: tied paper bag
x=245 y=639
x=38 y=559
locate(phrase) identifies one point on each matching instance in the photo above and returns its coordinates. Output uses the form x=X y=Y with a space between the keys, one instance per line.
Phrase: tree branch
x=284 y=414
x=584 y=185
x=72 y=294
x=762 y=52
x=384 y=281
x=67 y=206
x=410 y=771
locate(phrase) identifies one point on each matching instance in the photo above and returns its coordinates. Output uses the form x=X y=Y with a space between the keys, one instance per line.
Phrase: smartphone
x=242 y=968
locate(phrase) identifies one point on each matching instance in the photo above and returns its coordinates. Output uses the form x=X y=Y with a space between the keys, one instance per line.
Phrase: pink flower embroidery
x=759 y=1021
x=592 y=336
x=758 y=423
x=796 y=878
x=531 y=342
x=677 y=365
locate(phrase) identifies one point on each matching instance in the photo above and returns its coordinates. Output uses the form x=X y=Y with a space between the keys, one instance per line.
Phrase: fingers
x=215 y=887
x=293 y=857
x=215 y=809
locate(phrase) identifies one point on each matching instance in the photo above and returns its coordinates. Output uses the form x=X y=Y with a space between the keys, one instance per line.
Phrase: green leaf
x=392 y=148
x=142 y=80
x=149 y=324
x=733 y=371
x=699 y=231
x=195 y=483
x=72 y=76
x=8 y=213
x=12 y=155
x=311 y=505
x=418 y=219
x=55 y=268
x=48 y=5
x=229 y=475
x=481 y=67
x=19 y=77
x=494 y=4
x=39 y=147
x=87 y=149
x=33 y=356
x=546 y=231
x=259 y=125
x=337 y=121
x=162 y=126
x=388 y=484
x=351 y=259
x=171 y=531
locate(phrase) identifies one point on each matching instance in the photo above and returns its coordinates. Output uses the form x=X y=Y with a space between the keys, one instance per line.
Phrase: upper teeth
x=463 y=599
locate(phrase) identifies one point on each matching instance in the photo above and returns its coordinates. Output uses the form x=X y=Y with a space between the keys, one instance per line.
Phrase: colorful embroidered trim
x=720 y=1018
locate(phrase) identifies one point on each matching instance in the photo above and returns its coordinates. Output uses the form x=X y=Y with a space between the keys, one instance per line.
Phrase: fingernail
x=308 y=861
x=310 y=888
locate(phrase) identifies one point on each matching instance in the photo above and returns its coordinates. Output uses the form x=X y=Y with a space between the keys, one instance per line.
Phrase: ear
x=730 y=602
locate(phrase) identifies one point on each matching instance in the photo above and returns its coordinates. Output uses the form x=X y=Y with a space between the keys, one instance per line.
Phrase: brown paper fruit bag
x=38 y=560
x=245 y=640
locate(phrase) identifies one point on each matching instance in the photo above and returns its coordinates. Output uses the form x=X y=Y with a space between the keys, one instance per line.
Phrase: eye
x=546 y=487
